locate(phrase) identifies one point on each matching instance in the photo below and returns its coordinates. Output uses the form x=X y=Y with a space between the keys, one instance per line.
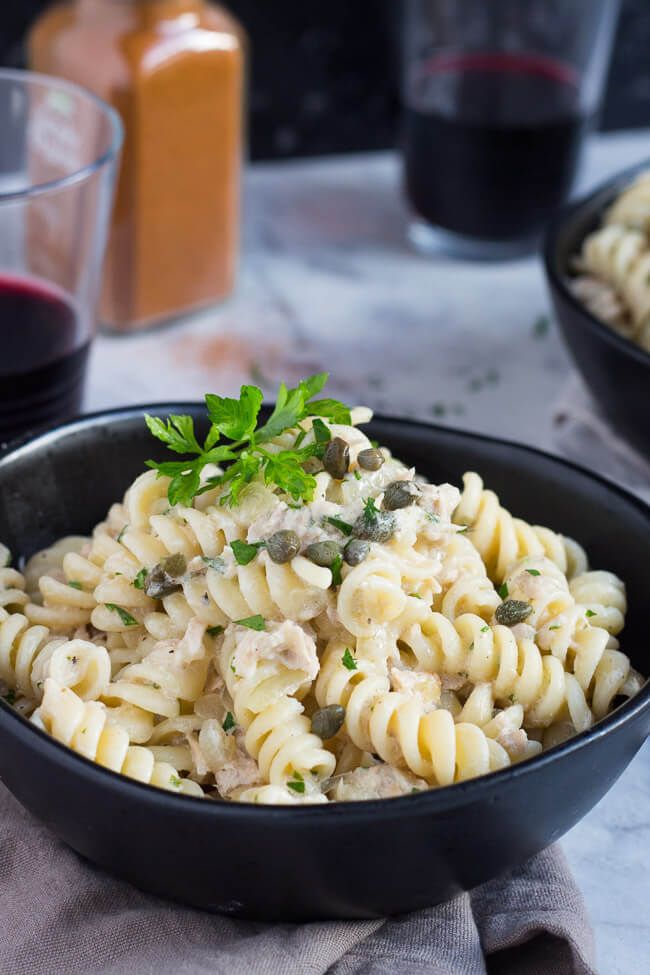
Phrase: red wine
x=493 y=144
x=44 y=354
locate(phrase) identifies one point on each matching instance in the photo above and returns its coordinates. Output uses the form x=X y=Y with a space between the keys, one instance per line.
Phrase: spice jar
x=174 y=69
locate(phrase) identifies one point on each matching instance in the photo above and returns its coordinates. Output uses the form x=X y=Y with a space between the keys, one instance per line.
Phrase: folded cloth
x=61 y=916
x=582 y=433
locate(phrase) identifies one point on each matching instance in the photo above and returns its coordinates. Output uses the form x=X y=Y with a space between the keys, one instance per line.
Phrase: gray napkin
x=61 y=916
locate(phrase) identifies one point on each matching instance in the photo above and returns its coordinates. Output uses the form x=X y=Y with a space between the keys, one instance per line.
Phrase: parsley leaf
x=228 y=723
x=533 y=572
x=348 y=660
x=485 y=628
x=503 y=590
x=243 y=552
x=297 y=783
x=175 y=781
x=74 y=584
x=590 y=612
x=369 y=511
x=126 y=618
x=138 y=582
x=321 y=432
x=335 y=568
x=10 y=696
x=214 y=630
x=343 y=526
x=121 y=535
x=252 y=622
x=235 y=419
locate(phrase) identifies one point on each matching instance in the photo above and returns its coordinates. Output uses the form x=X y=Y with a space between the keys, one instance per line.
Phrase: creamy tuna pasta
x=613 y=267
x=311 y=621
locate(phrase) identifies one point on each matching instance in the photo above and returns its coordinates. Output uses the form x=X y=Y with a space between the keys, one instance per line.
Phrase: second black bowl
x=616 y=370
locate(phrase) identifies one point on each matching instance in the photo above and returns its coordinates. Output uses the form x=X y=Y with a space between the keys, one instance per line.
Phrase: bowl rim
x=604 y=193
x=428 y=802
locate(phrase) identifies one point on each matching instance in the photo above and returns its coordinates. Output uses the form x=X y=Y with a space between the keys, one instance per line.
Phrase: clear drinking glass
x=498 y=97
x=58 y=156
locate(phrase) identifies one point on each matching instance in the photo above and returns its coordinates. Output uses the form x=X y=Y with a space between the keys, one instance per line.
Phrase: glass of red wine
x=59 y=151
x=498 y=97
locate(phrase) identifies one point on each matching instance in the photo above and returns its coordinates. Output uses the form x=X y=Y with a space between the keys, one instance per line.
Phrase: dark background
x=325 y=74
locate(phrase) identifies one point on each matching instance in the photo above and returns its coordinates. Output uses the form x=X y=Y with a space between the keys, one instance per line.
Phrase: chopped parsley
x=416 y=595
x=126 y=618
x=590 y=612
x=297 y=783
x=175 y=781
x=357 y=474
x=252 y=622
x=463 y=673
x=370 y=511
x=433 y=518
x=343 y=526
x=540 y=326
x=228 y=723
x=156 y=687
x=121 y=535
x=138 y=582
x=533 y=572
x=10 y=696
x=471 y=646
x=503 y=590
x=214 y=630
x=335 y=569
x=348 y=660
x=511 y=698
x=217 y=564
x=485 y=628
x=244 y=552
x=556 y=627
x=74 y=584
x=415 y=789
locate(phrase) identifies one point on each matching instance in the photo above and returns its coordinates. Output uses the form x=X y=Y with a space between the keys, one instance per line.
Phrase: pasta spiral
x=565 y=630
x=84 y=728
x=277 y=733
x=397 y=727
x=502 y=540
x=29 y=655
x=621 y=258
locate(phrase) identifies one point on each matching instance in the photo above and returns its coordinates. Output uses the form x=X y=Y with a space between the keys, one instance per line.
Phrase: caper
x=336 y=458
x=174 y=565
x=513 y=611
x=159 y=583
x=378 y=528
x=356 y=551
x=323 y=553
x=400 y=494
x=370 y=459
x=326 y=722
x=282 y=546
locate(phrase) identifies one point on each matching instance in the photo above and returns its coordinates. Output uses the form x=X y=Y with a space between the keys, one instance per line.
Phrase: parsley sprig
x=235 y=420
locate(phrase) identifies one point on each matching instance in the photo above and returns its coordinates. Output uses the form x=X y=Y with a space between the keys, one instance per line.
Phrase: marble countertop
x=328 y=282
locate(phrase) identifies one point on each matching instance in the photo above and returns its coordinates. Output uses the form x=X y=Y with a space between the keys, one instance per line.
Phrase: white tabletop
x=328 y=283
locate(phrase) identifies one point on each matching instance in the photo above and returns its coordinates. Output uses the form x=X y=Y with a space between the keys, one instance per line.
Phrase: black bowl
x=350 y=860
x=616 y=370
